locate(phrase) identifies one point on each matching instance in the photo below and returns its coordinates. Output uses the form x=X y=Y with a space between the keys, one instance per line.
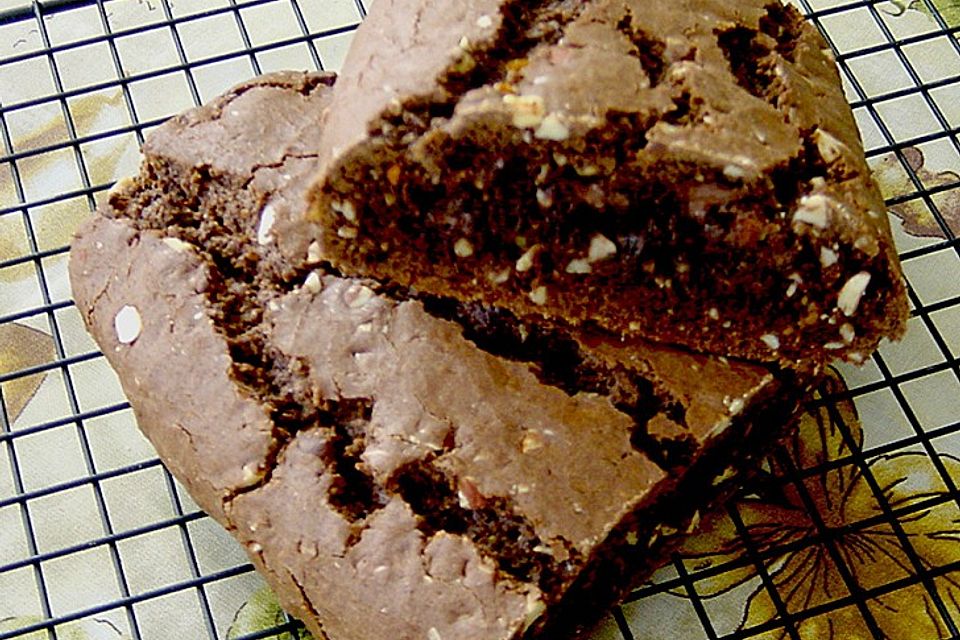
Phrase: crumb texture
x=658 y=171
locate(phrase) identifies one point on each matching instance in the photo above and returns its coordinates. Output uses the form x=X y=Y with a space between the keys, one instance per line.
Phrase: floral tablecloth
x=95 y=532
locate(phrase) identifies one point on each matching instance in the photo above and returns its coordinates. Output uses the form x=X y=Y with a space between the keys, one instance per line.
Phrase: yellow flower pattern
x=916 y=217
x=21 y=348
x=948 y=9
x=862 y=548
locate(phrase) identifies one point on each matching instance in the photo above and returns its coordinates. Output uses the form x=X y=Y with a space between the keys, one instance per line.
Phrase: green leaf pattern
x=81 y=630
x=949 y=10
x=262 y=612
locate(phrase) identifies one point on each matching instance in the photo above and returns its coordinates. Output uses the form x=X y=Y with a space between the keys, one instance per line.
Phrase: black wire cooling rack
x=904 y=85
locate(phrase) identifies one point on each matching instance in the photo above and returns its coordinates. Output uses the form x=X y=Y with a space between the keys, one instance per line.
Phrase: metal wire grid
x=885 y=375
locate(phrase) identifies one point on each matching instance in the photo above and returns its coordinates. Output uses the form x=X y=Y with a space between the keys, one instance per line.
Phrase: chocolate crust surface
x=686 y=172
x=390 y=461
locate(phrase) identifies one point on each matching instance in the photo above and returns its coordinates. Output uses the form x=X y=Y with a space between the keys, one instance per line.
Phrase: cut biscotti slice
x=687 y=172
x=390 y=464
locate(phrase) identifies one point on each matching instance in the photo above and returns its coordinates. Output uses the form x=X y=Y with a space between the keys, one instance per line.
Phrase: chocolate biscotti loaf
x=397 y=467
x=685 y=171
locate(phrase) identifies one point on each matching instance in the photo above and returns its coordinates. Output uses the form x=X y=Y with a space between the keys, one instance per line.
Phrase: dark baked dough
x=685 y=171
x=397 y=467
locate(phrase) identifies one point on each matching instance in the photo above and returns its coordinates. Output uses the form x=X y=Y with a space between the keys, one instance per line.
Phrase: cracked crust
x=426 y=460
x=689 y=173
x=175 y=358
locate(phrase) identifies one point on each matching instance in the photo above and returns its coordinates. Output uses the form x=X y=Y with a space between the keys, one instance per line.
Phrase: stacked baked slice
x=399 y=462
x=686 y=172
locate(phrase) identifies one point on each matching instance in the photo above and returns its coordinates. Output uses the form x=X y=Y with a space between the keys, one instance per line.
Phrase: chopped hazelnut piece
x=346 y=209
x=127 y=324
x=462 y=248
x=177 y=244
x=579 y=266
x=525 y=262
x=313 y=283
x=527 y=111
x=852 y=292
x=268 y=216
x=814 y=210
x=847 y=332
x=601 y=248
x=552 y=128
x=539 y=295
x=313 y=253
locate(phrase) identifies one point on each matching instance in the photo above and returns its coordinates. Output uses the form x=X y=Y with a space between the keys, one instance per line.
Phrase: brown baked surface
x=392 y=464
x=686 y=172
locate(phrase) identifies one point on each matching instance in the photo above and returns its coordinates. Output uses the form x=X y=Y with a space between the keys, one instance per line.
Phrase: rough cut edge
x=358 y=120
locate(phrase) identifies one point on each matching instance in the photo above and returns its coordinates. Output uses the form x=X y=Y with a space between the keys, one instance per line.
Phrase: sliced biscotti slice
x=415 y=485
x=686 y=172
x=390 y=471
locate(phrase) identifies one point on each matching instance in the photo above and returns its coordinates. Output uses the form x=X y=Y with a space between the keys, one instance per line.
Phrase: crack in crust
x=243 y=285
x=646 y=48
x=524 y=25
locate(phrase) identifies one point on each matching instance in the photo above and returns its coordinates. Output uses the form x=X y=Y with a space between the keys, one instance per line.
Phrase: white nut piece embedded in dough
x=847 y=332
x=734 y=405
x=694 y=522
x=527 y=111
x=530 y=443
x=313 y=283
x=313 y=253
x=544 y=199
x=463 y=248
x=499 y=277
x=771 y=341
x=814 y=210
x=828 y=257
x=734 y=172
x=830 y=148
x=852 y=292
x=346 y=209
x=601 y=248
x=128 y=324
x=525 y=262
x=539 y=295
x=268 y=217
x=579 y=266
x=552 y=128
x=534 y=609
x=361 y=296
x=177 y=244
x=251 y=473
